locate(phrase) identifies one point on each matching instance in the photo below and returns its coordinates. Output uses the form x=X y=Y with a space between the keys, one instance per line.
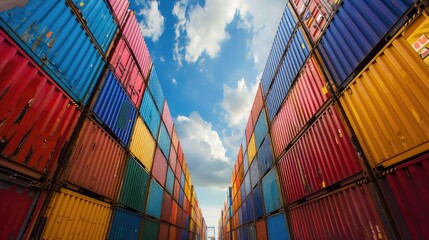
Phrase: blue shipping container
x=125 y=225
x=182 y=180
x=277 y=228
x=181 y=197
x=115 y=109
x=292 y=62
x=258 y=201
x=99 y=20
x=156 y=90
x=354 y=31
x=261 y=129
x=247 y=186
x=50 y=33
x=164 y=141
x=265 y=156
x=150 y=115
x=272 y=196
x=154 y=201
x=284 y=32
x=249 y=203
x=169 y=183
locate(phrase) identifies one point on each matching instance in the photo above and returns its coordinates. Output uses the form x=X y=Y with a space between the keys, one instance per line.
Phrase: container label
x=421 y=46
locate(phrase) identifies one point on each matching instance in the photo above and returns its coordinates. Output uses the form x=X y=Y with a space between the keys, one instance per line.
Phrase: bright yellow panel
x=251 y=149
x=142 y=144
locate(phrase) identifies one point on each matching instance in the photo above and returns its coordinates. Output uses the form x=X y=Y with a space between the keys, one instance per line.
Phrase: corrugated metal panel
x=265 y=156
x=354 y=31
x=168 y=120
x=258 y=201
x=174 y=209
x=154 y=201
x=150 y=114
x=16 y=206
x=254 y=172
x=156 y=90
x=408 y=184
x=135 y=186
x=125 y=225
x=172 y=233
x=73 y=215
x=350 y=213
x=114 y=109
x=261 y=129
x=97 y=162
x=284 y=32
x=243 y=145
x=387 y=105
x=150 y=229
x=258 y=104
x=126 y=70
x=163 y=231
x=159 y=168
x=251 y=148
x=97 y=16
x=181 y=196
x=50 y=33
x=164 y=140
x=250 y=215
x=249 y=129
x=261 y=229
x=277 y=227
x=247 y=186
x=137 y=44
x=295 y=56
x=175 y=139
x=37 y=117
x=120 y=8
x=166 y=207
x=169 y=184
x=246 y=162
x=271 y=189
x=142 y=144
x=322 y=156
x=173 y=158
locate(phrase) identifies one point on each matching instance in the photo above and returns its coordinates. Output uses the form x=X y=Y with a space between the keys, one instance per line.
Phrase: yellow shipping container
x=142 y=144
x=71 y=215
x=251 y=149
x=387 y=103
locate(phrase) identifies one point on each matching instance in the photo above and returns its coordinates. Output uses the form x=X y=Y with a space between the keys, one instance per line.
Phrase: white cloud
x=152 y=24
x=162 y=59
x=204 y=151
x=174 y=81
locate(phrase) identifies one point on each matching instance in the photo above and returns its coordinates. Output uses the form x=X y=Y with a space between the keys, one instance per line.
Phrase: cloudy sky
x=209 y=56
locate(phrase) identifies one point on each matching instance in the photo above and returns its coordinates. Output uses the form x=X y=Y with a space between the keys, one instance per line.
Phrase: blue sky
x=208 y=56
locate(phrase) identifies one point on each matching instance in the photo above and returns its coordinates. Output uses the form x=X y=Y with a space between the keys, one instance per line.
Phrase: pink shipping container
x=323 y=156
x=163 y=231
x=120 y=8
x=168 y=120
x=305 y=98
x=175 y=140
x=180 y=154
x=159 y=167
x=135 y=39
x=407 y=194
x=172 y=158
x=97 y=161
x=350 y=213
x=127 y=72
x=37 y=118
x=249 y=129
x=166 y=207
x=258 y=104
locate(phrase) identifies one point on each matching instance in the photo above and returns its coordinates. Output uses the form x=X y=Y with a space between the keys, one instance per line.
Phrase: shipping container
x=172 y=233
x=166 y=207
x=120 y=8
x=127 y=72
x=134 y=37
x=174 y=210
x=271 y=190
x=159 y=168
x=164 y=141
x=261 y=129
x=258 y=104
x=134 y=186
x=265 y=156
x=150 y=229
x=156 y=90
x=254 y=172
x=354 y=32
x=150 y=114
x=258 y=201
x=17 y=203
x=125 y=225
x=277 y=227
x=169 y=183
x=406 y=192
x=261 y=229
x=154 y=200
x=73 y=215
x=114 y=109
x=96 y=16
x=249 y=129
x=97 y=162
x=251 y=148
x=142 y=144
x=50 y=33
x=292 y=62
x=37 y=117
x=175 y=139
x=163 y=231
x=386 y=103
x=323 y=156
x=167 y=119
x=284 y=32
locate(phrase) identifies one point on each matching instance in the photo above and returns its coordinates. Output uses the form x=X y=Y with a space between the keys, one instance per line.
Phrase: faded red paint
x=258 y=103
x=166 y=207
x=168 y=120
x=159 y=167
x=172 y=159
x=249 y=129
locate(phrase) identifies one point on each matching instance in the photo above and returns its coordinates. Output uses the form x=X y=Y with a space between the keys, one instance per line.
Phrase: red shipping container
x=135 y=39
x=176 y=190
x=168 y=120
x=249 y=129
x=349 y=213
x=120 y=8
x=408 y=183
x=258 y=103
x=127 y=72
x=180 y=153
x=261 y=229
x=306 y=97
x=183 y=219
x=97 y=161
x=173 y=158
x=163 y=231
x=172 y=233
x=159 y=167
x=166 y=207
x=174 y=209
x=36 y=117
x=322 y=156
x=178 y=171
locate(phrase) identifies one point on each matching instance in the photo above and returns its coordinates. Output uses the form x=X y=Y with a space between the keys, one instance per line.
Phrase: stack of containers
x=320 y=94
x=85 y=129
